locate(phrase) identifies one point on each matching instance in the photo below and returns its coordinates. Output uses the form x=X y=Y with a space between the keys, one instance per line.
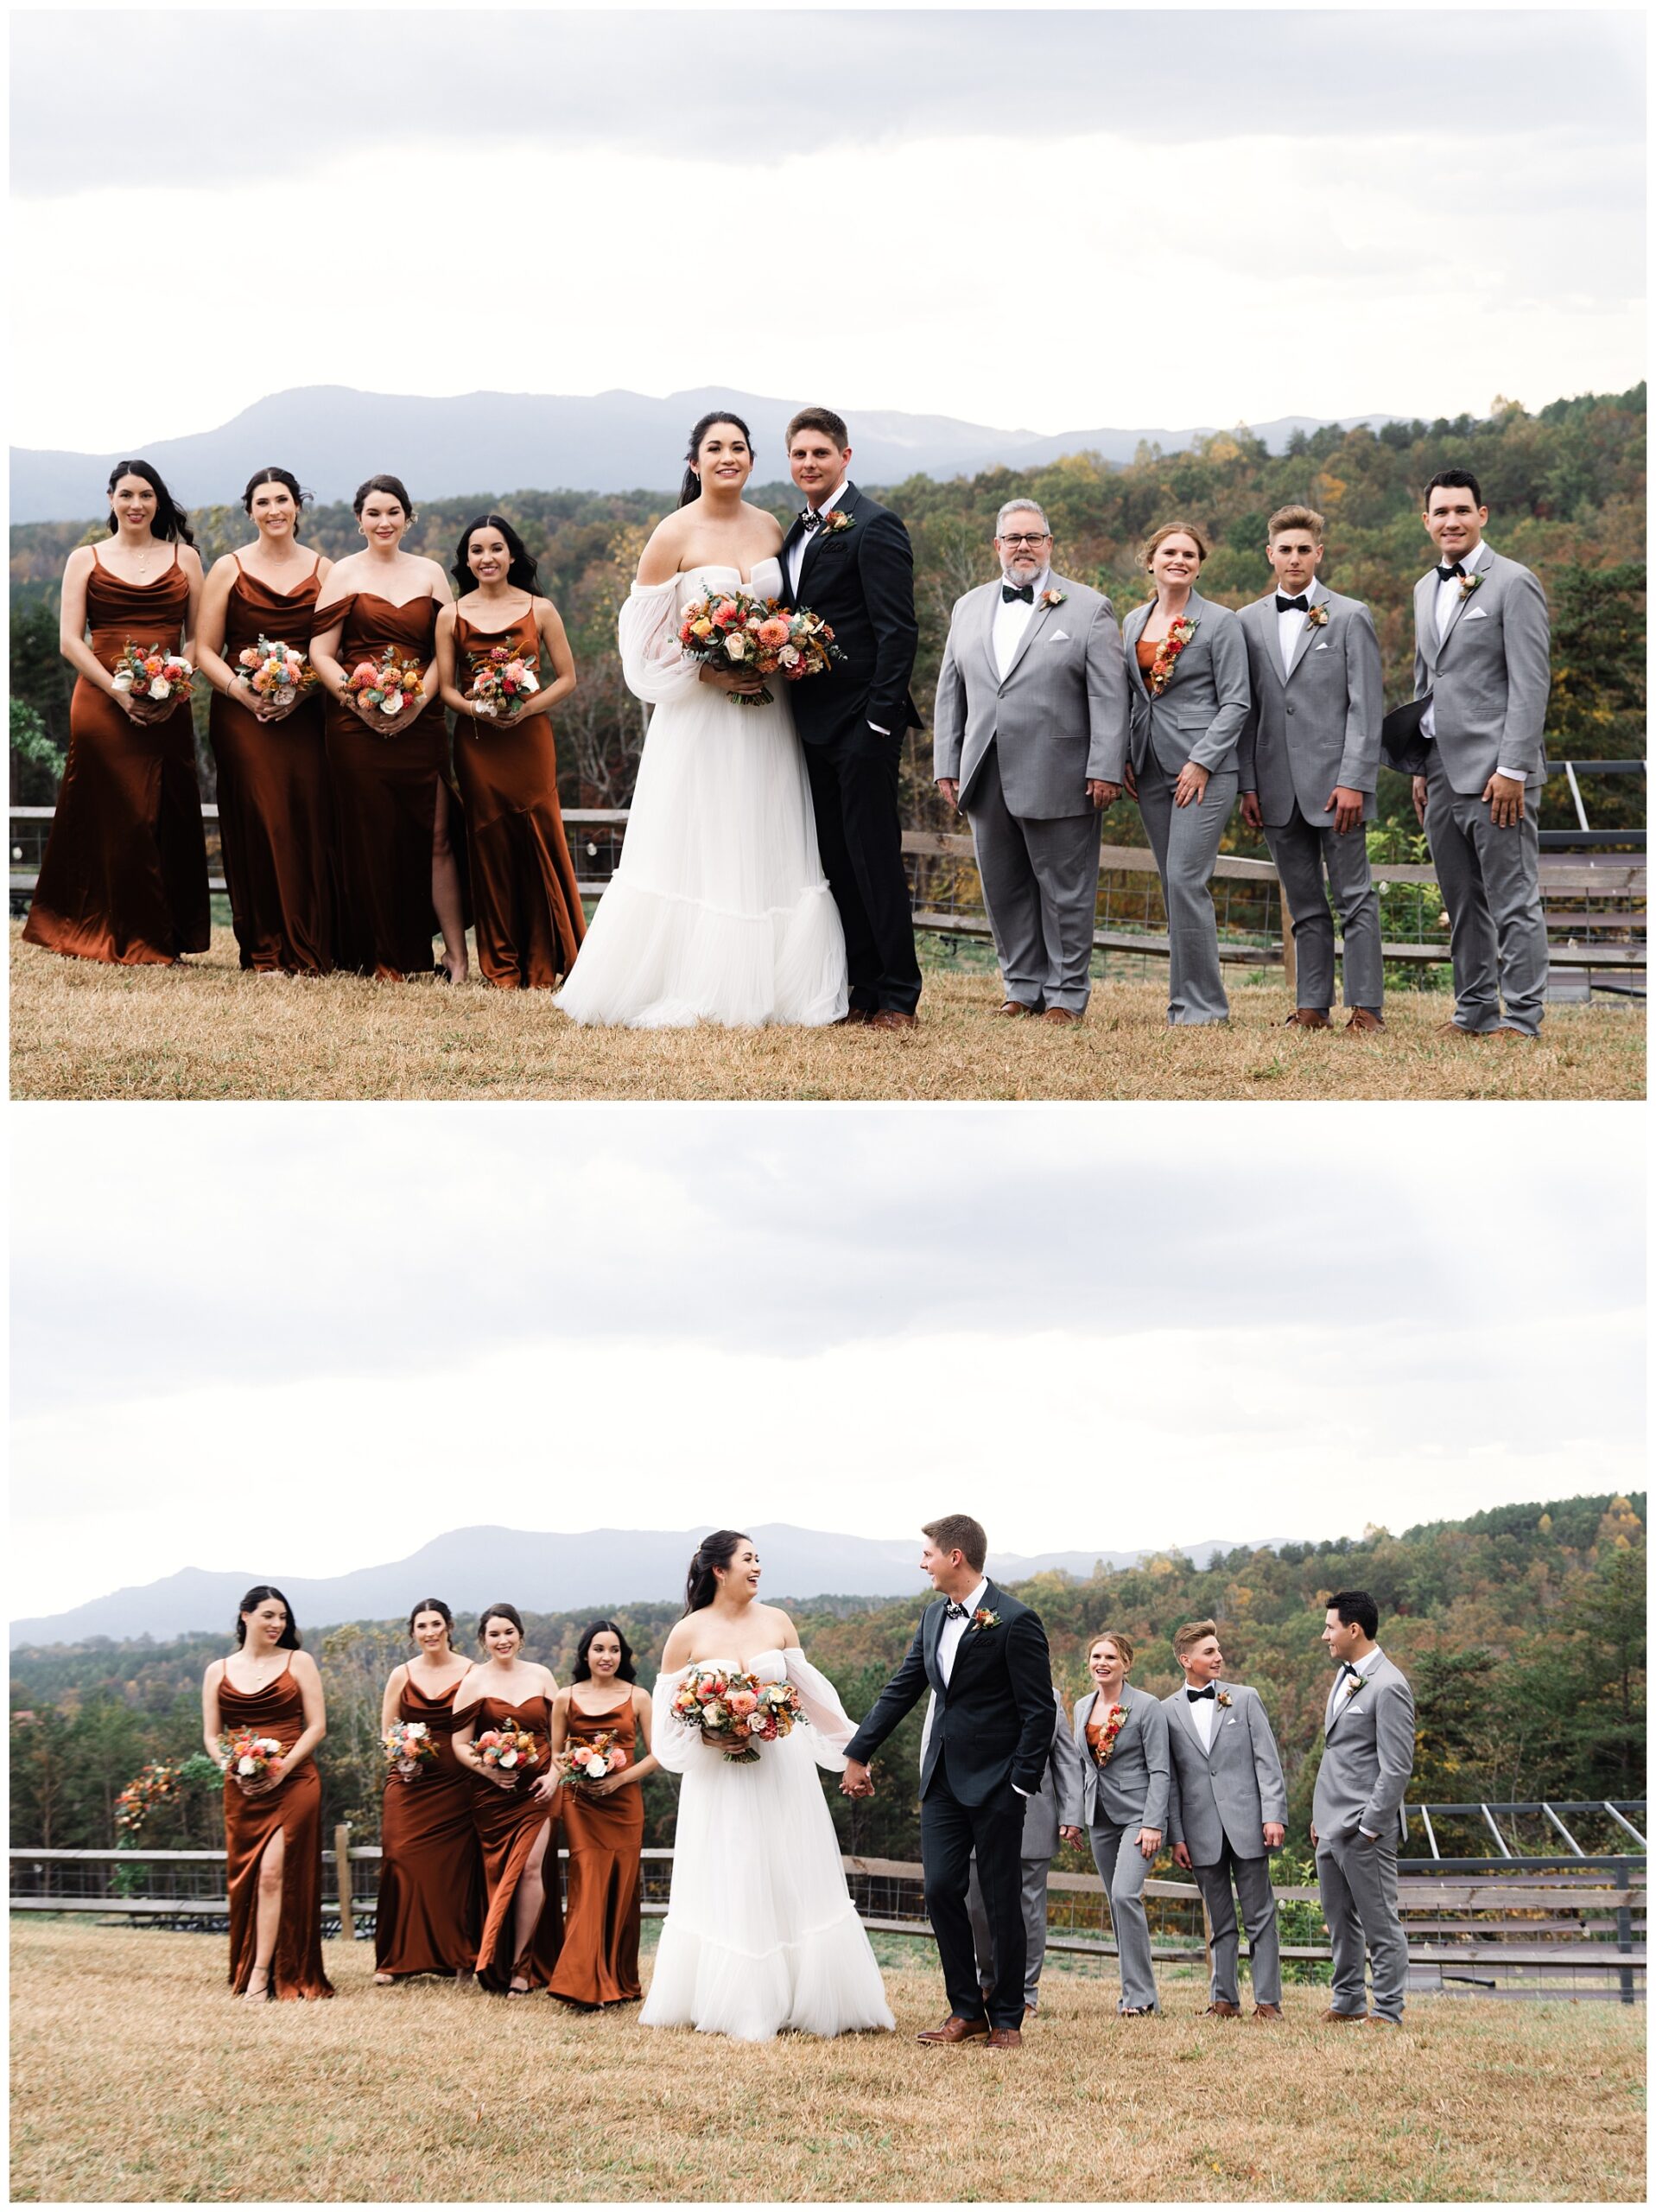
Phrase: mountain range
x=496 y=442
x=472 y=1568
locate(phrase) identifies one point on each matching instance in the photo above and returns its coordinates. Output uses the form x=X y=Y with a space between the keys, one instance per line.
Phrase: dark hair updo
x=522 y=571
x=505 y=1614
x=582 y=1671
x=394 y=485
x=432 y=1605
x=169 y=521
x=691 y=488
x=284 y=477
x=289 y=1639
x=702 y=1584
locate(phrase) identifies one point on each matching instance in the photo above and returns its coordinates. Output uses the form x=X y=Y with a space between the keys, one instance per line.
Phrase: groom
x=849 y=560
x=984 y=1657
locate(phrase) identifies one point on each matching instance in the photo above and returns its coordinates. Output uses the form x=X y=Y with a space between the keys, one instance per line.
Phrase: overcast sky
x=1041 y=218
x=291 y=1340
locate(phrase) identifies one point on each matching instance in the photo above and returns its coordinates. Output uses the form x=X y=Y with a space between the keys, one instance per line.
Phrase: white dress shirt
x=1204 y=1711
x=1443 y=605
x=1289 y=627
x=1012 y=619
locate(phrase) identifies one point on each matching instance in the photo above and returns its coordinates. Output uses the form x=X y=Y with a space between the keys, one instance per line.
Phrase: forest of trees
x=1523 y=1632
x=1565 y=487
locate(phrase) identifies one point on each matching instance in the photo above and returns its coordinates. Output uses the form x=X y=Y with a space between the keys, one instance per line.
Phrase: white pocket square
x=1055 y=635
x=1477 y=614
x=1321 y=649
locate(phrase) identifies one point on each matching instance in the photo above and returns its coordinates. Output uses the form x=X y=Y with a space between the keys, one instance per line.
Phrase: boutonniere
x=984 y=1618
x=1355 y=1684
x=1108 y=1734
x=1054 y=598
x=1167 y=652
x=1470 y=582
x=1224 y=1699
x=1317 y=616
x=833 y=521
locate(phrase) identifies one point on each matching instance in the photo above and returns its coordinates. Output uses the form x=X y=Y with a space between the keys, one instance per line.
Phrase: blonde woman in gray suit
x=1188 y=688
x=1121 y=1734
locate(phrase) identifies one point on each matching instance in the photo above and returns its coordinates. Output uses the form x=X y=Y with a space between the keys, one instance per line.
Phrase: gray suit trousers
x=1302 y=853
x=1490 y=879
x=1040 y=885
x=1185 y=841
x=1358 y=1882
x=1034 y=1894
x=1253 y=1880
x=1123 y=1869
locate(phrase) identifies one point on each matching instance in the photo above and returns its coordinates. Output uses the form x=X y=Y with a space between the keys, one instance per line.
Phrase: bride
x=719 y=910
x=760 y=1932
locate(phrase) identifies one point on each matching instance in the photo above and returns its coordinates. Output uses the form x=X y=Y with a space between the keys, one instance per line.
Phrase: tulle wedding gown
x=719 y=910
x=760 y=1932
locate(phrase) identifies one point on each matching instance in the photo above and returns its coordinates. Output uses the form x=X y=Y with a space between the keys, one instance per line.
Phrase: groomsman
x=1031 y=741
x=1357 y=1817
x=1040 y=1840
x=1480 y=658
x=1310 y=760
x=1226 y=1812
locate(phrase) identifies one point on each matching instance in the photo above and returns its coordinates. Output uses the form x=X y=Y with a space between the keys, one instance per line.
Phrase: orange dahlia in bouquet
x=738 y=635
x=408 y=1745
x=735 y=1712
x=390 y=683
x=590 y=1760
x=147 y=672
x=274 y=672
x=501 y=681
x=248 y=1755
x=508 y=1750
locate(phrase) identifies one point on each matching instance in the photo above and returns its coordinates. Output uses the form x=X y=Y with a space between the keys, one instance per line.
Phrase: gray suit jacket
x=1230 y=1790
x=1059 y=715
x=1132 y=1791
x=1489 y=675
x=1319 y=725
x=1367 y=1755
x=1200 y=716
x=1059 y=1784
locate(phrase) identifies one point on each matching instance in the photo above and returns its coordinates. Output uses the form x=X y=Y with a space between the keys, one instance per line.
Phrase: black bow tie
x=1346 y=1668
x=1025 y=592
x=1284 y=606
x=1446 y=569
x=1195 y=1694
x=953 y=1611
x=809 y=519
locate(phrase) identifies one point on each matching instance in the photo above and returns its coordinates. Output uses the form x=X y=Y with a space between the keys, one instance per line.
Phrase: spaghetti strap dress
x=598 y=1963
x=294 y=1806
x=508 y=1821
x=527 y=909
x=430 y=1914
x=275 y=815
x=124 y=875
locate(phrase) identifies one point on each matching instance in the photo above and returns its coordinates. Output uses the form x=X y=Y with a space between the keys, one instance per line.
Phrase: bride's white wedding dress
x=760 y=1932
x=719 y=910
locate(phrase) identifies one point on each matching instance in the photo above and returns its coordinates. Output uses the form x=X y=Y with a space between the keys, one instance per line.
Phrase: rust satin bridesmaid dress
x=385 y=797
x=598 y=1963
x=294 y=1806
x=124 y=877
x=527 y=910
x=274 y=814
x=429 y=1917
x=508 y=1821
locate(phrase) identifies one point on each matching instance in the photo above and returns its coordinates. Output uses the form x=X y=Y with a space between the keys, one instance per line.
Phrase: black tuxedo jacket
x=993 y=1723
x=861 y=581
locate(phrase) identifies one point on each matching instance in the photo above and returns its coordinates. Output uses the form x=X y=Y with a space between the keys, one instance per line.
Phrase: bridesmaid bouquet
x=591 y=1760
x=409 y=1744
x=501 y=681
x=734 y=1711
x=151 y=673
x=736 y=633
x=274 y=672
x=513 y=1751
x=250 y=1756
x=151 y=1786
x=389 y=683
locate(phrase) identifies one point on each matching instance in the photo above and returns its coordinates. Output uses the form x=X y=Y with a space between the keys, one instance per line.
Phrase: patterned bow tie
x=1025 y=592
x=1448 y=568
x=809 y=519
x=1195 y=1695
x=1286 y=606
x=952 y=1612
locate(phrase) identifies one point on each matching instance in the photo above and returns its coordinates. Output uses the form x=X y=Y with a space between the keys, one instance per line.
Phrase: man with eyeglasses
x=1030 y=742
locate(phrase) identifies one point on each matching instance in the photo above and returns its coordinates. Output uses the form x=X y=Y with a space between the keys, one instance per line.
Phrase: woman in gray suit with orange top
x=1121 y=1734
x=1188 y=688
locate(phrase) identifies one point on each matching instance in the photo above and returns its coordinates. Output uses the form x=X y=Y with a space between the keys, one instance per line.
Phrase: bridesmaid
x=391 y=801
x=273 y=799
x=525 y=905
x=124 y=877
x=514 y=1812
x=431 y=1910
x=273 y=1827
x=604 y=1821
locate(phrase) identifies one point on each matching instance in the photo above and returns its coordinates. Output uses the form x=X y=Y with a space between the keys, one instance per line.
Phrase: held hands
x=1506 y=801
x=1192 y=783
x=1418 y=793
x=1100 y=793
x=1346 y=806
x=1150 y=1842
x=856 y=1781
x=1273 y=1832
x=1253 y=814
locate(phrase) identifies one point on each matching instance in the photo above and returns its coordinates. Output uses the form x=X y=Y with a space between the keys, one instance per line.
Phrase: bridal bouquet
x=408 y=1745
x=591 y=1760
x=151 y=673
x=501 y=681
x=274 y=672
x=250 y=1755
x=734 y=632
x=511 y=1750
x=389 y=683
x=735 y=1712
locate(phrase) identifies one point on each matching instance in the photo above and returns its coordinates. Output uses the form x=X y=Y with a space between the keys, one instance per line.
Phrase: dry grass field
x=82 y=1031
x=136 y=2077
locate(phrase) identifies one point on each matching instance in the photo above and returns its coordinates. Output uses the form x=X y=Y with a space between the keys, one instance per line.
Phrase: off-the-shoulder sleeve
x=652 y=659
x=675 y=1745
x=324 y=619
x=832 y=1727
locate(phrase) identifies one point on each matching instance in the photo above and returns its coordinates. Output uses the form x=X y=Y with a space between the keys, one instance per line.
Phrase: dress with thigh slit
x=508 y=1822
x=294 y=1806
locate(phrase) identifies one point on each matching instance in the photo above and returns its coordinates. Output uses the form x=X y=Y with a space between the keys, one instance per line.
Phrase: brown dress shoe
x=1307 y=1017
x=1332 y=2015
x=1510 y=1035
x=954 y=2030
x=1005 y=2039
x=1457 y=1029
x=1365 y=1018
x=893 y=1017
x=1219 y=2010
x=855 y=1015
x=1062 y=1016
x=1267 y=2012
x=1379 y=2020
x=1011 y=1007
